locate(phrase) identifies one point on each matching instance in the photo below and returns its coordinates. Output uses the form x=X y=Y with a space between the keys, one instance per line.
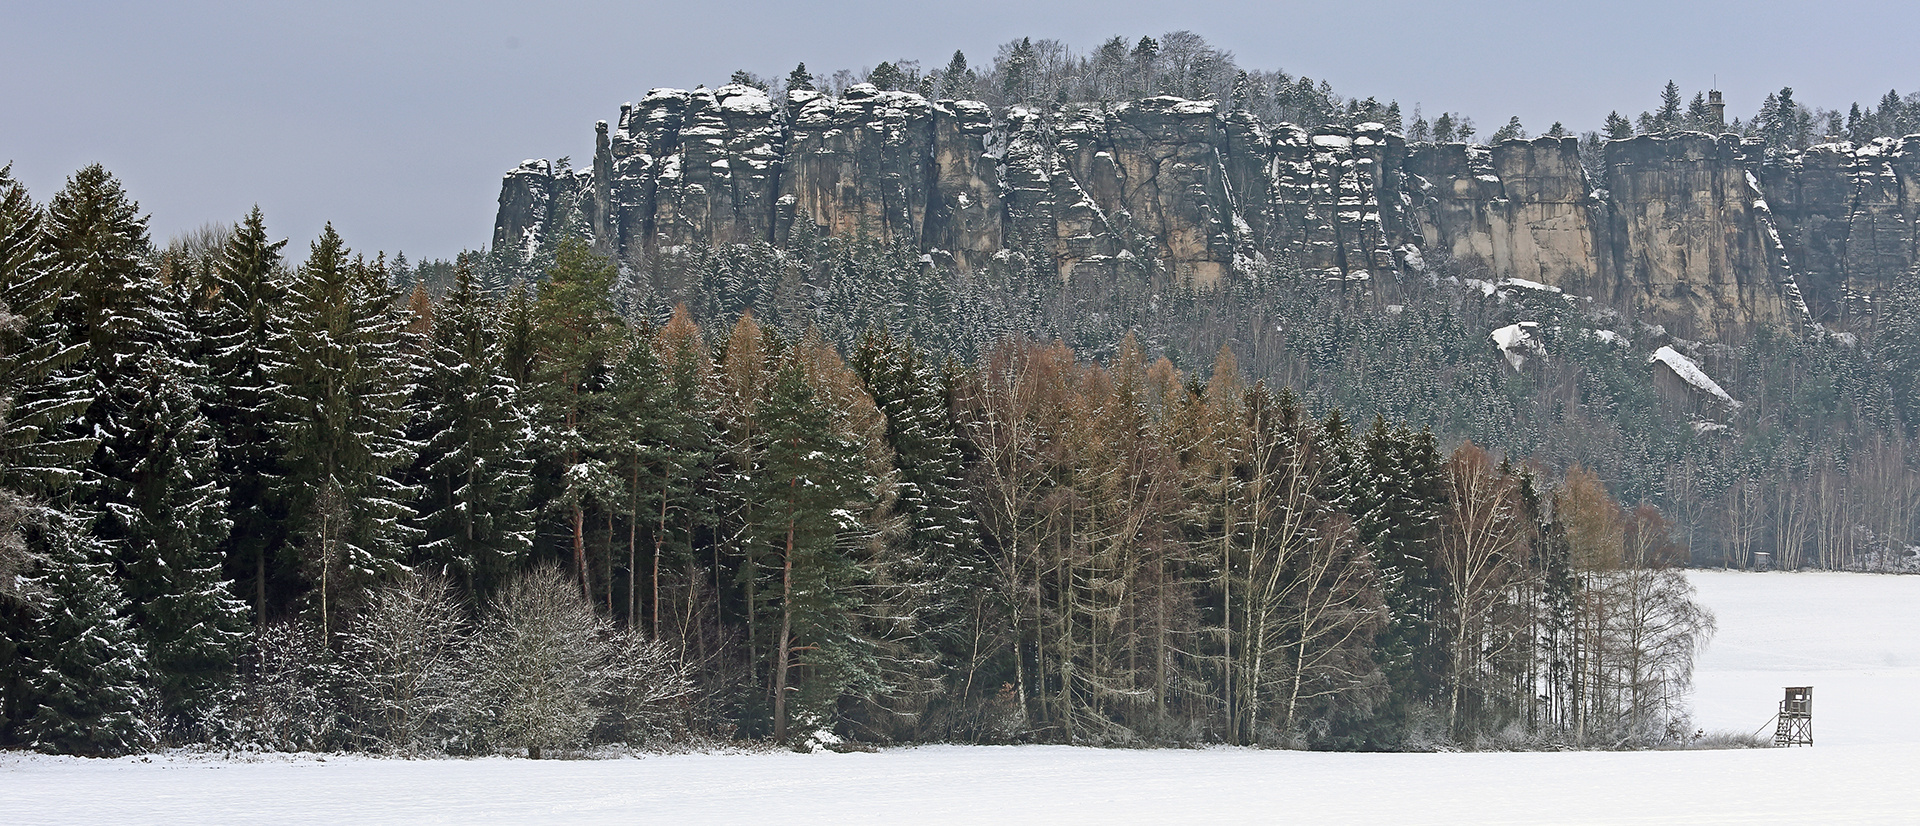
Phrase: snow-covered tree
x=342 y=380
x=83 y=670
x=406 y=666
x=150 y=481
x=247 y=291
x=542 y=663
x=472 y=469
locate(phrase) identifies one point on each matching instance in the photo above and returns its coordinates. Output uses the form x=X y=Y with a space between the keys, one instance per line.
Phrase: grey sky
x=396 y=119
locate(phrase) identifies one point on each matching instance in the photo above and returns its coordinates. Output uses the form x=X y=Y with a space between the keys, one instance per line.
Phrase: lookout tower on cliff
x=1718 y=106
x=1795 y=726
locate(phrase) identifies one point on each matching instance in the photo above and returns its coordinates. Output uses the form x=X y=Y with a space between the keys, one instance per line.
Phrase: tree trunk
x=633 y=556
x=580 y=549
x=786 y=631
x=659 y=540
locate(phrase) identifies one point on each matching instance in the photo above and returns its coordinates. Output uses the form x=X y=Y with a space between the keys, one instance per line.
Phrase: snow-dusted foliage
x=542 y=662
x=81 y=667
x=406 y=676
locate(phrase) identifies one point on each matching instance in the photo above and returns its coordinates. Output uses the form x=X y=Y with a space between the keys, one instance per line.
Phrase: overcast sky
x=396 y=119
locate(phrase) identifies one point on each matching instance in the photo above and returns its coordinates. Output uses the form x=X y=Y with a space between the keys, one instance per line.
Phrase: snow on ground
x=1851 y=636
x=1854 y=637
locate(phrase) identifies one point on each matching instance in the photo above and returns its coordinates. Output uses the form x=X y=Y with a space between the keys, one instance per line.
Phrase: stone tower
x=1718 y=106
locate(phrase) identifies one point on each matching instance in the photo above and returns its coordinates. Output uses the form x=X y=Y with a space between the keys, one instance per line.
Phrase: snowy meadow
x=1847 y=635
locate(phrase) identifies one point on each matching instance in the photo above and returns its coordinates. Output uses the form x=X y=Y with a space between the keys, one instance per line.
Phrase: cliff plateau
x=1710 y=236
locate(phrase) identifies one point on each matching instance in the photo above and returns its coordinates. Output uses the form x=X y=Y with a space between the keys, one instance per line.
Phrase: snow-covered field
x=1855 y=638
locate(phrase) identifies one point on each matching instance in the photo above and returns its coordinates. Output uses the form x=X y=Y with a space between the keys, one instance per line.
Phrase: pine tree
x=342 y=381
x=646 y=464
x=1512 y=131
x=472 y=470
x=577 y=337
x=799 y=79
x=807 y=480
x=691 y=444
x=248 y=291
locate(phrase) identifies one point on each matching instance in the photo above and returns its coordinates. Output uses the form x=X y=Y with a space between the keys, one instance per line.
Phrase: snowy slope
x=1849 y=635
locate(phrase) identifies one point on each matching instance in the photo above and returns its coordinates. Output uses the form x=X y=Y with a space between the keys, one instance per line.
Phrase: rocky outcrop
x=1710 y=236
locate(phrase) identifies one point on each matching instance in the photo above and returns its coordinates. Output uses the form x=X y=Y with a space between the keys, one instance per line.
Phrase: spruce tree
x=249 y=291
x=174 y=519
x=84 y=671
x=471 y=473
x=342 y=384
x=939 y=547
x=40 y=457
x=1667 y=117
x=149 y=487
x=956 y=81
x=1617 y=127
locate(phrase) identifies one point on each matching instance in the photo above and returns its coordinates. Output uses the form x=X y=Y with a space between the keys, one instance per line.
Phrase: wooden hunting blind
x=1795 y=727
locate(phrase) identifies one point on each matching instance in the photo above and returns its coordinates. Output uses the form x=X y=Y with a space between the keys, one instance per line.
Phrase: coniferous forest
x=819 y=494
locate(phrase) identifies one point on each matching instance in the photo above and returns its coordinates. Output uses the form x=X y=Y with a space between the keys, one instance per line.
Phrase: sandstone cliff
x=1706 y=235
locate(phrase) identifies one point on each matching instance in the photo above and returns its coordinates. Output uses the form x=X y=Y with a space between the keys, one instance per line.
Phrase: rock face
x=1710 y=236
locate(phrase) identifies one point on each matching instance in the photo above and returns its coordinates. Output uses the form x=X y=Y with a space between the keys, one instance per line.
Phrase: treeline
x=1815 y=467
x=254 y=502
x=1048 y=72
